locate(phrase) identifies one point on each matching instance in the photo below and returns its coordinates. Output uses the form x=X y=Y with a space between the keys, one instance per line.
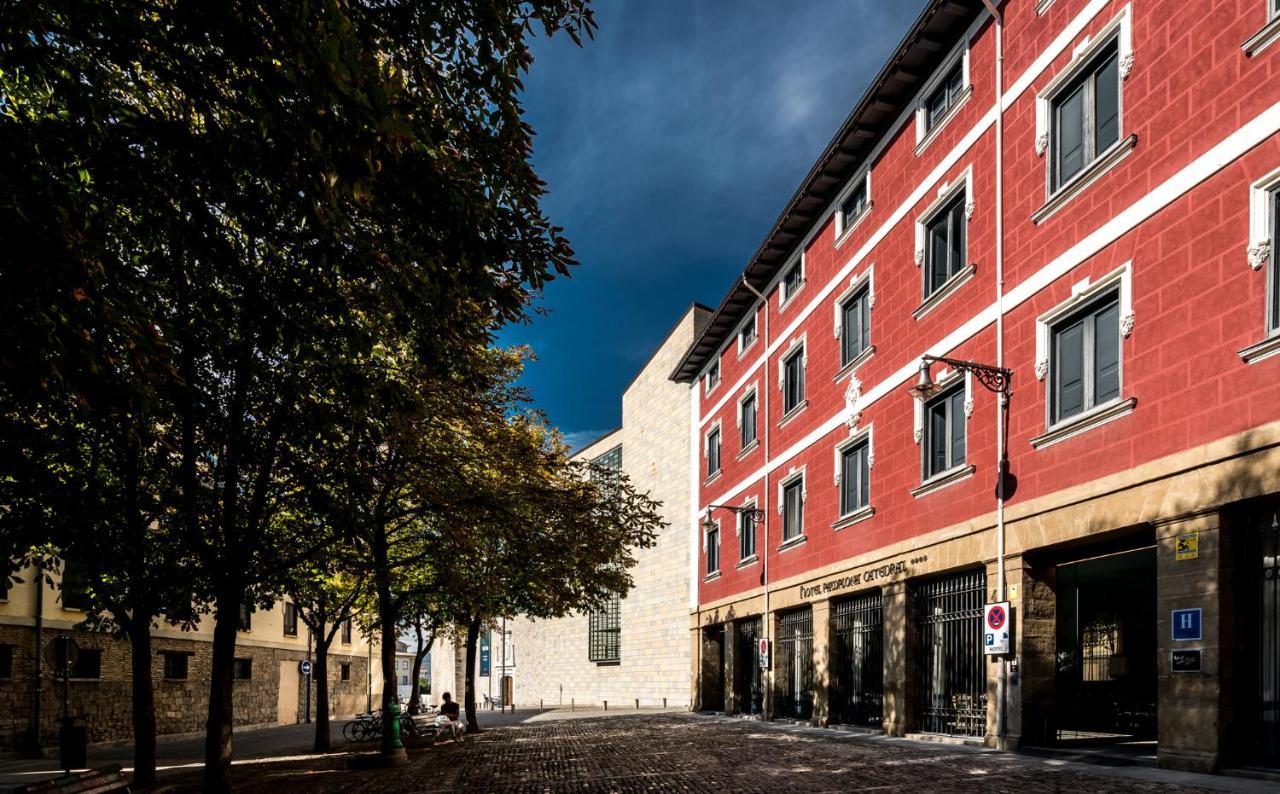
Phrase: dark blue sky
x=669 y=144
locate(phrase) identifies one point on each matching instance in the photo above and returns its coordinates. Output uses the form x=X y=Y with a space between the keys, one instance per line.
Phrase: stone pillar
x=695 y=677
x=1015 y=578
x=897 y=642
x=1033 y=689
x=1192 y=708
x=771 y=684
x=822 y=663
x=731 y=704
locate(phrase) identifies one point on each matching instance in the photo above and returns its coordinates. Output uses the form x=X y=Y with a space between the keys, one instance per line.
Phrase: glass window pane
x=864 y=476
x=1106 y=104
x=957 y=427
x=937 y=441
x=956 y=255
x=937 y=259
x=1069 y=129
x=1106 y=354
x=1275 y=258
x=1068 y=371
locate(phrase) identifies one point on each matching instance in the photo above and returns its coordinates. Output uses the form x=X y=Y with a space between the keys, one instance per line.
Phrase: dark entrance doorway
x=951 y=670
x=1106 y=648
x=748 y=686
x=712 y=678
x=857 y=665
x=795 y=664
x=1256 y=534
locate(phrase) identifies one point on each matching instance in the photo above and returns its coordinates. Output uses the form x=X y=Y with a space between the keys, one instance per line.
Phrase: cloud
x=578 y=439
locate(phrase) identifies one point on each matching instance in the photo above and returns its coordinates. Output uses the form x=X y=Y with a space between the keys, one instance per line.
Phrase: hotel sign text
x=866 y=576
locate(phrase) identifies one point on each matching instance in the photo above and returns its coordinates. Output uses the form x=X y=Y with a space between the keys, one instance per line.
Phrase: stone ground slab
x=689 y=753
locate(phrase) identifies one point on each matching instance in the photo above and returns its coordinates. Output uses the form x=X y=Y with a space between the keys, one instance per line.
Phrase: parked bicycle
x=367 y=727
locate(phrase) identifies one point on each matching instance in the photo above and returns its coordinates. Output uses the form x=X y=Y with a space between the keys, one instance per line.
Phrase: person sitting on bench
x=450 y=717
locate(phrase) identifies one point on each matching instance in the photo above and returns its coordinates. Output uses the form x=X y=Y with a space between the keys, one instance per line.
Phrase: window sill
x=748 y=449
x=1260 y=40
x=711 y=388
x=859 y=515
x=945 y=291
x=606 y=663
x=798 y=540
x=1092 y=173
x=1262 y=351
x=942 y=122
x=848 y=230
x=1085 y=421
x=187 y=680
x=939 y=481
x=787 y=301
x=711 y=577
x=749 y=561
x=793 y=413
x=744 y=349
x=714 y=476
x=858 y=361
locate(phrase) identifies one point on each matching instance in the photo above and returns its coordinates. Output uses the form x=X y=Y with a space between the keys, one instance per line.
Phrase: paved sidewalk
x=689 y=753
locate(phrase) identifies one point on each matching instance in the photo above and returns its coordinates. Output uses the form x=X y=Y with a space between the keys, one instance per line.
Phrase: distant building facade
x=269 y=685
x=636 y=649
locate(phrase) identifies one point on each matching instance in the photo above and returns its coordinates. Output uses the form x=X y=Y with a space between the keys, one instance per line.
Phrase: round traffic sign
x=995 y=617
x=304 y=667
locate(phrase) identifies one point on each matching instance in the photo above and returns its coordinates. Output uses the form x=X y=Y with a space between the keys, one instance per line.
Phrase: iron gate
x=857 y=691
x=952 y=669
x=795 y=664
x=747 y=684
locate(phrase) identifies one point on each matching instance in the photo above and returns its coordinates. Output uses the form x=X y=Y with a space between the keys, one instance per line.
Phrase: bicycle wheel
x=349 y=731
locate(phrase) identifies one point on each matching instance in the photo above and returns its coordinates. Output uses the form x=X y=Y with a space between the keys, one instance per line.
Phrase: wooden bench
x=91 y=781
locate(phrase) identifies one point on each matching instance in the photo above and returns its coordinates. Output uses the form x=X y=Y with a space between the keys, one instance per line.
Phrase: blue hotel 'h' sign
x=1186 y=624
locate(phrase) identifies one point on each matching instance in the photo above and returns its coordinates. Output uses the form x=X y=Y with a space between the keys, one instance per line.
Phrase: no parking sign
x=995 y=629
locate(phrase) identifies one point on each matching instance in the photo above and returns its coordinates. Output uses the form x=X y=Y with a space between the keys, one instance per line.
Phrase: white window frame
x=801 y=341
x=784 y=298
x=796 y=473
x=751 y=391
x=946 y=192
x=1119 y=28
x=856 y=282
x=753 y=315
x=1083 y=293
x=706 y=450
x=710 y=385
x=945 y=379
x=747 y=504
x=855 y=437
x=1262 y=251
x=863 y=176
x=706 y=546
x=925 y=135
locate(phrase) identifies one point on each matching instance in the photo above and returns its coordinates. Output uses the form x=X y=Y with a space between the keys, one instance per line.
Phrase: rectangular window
x=6 y=661
x=945 y=244
x=746 y=536
x=944 y=97
x=1086 y=359
x=793 y=381
x=944 y=432
x=346 y=631
x=855 y=478
x=345 y=671
x=748 y=420
x=855 y=326
x=793 y=280
x=604 y=632
x=748 y=333
x=175 y=666
x=713 y=550
x=1274 y=325
x=1086 y=116
x=290 y=619
x=246 y=616
x=75 y=585
x=713 y=373
x=242 y=669
x=854 y=205
x=713 y=452
x=793 y=509
x=87 y=664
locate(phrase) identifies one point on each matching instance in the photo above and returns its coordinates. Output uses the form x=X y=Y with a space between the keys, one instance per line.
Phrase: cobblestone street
x=701 y=754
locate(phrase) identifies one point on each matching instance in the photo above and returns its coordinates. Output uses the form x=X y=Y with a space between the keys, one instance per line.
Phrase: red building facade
x=1083 y=193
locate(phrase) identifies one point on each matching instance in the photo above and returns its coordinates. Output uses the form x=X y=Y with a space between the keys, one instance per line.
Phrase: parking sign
x=995 y=629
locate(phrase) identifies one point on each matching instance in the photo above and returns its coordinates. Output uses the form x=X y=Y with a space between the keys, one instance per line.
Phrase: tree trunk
x=217 y=737
x=469 y=694
x=388 y=658
x=322 y=743
x=144 y=705
x=415 y=694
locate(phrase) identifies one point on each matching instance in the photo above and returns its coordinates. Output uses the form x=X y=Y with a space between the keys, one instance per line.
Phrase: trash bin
x=73 y=741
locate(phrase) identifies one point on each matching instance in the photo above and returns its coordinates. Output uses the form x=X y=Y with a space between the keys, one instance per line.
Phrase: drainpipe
x=767 y=620
x=1002 y=681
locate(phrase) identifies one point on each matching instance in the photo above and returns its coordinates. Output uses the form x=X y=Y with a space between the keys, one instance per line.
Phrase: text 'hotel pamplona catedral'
x=1048 y=239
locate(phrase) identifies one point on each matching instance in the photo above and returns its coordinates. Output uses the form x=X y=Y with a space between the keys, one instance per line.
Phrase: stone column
x=897 y=635
x=731 y=705
x=1032 y=715
x=821 y=663
x=1017 y=578
x=1193 y=707
x=695 y=679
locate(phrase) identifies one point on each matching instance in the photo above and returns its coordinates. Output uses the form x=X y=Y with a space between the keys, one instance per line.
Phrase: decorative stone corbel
x=1259 y=253
x=968 y=407
x=1126 y=325
x=1042 y=369
x=852 y=421
x=968 y=210
x=919 y=257
x=871 y=299
x=852 y=392
x=871 y=457
x=919 y=434
x=1126 y=66
x=1042 y=144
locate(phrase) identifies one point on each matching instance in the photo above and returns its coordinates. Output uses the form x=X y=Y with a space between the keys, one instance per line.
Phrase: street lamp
x=995 y=379
x=754 y=513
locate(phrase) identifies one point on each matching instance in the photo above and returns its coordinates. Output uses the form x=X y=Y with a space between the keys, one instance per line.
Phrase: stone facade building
x=636 y=651
x=1077 y=199
x=269 y=685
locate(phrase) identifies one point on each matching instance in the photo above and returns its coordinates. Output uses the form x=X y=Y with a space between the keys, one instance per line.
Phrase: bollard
x=606 y=705
x=637 y=703
x=570 y=704
x=664 y=703
x=539 y=704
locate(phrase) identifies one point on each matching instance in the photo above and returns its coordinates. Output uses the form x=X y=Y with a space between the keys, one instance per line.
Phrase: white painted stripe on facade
x=1056 y=48
x=1175 y=187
